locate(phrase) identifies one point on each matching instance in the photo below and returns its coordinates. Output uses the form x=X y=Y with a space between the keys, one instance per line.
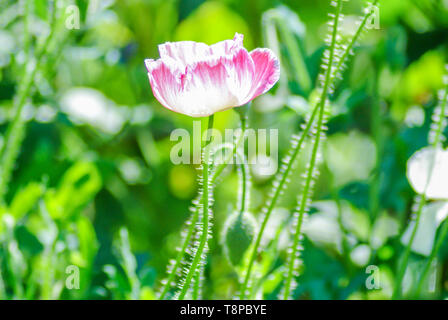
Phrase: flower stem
x=283 y=177
x=205 y=214
x=314 y=157
x=355 y=38
x=436 y=144
x=273 y=201
x=180 y=254
x=220 y=167
x=303 y=204
x=192 y=223
x=244 y=191
x=245 y=179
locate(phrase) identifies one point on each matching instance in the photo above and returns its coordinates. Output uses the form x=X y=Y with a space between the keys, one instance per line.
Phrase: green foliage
x=82 y=180
x=89 y=196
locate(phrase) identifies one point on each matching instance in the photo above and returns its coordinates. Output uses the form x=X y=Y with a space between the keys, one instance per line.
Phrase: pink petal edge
x=190 y=52
x=267 y=71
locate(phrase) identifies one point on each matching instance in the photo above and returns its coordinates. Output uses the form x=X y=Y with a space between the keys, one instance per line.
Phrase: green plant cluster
x=91 y=206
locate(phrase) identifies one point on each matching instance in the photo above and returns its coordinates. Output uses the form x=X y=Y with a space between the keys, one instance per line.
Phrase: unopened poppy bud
x=239 y=232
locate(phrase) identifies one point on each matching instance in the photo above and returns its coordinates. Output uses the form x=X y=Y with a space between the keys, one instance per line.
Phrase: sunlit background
x=94 y=186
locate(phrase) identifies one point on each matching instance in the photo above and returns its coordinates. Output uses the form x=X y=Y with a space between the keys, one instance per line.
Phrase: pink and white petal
x=166 y=81
x=185 y=52
x=267 y=71
x=205 y=90
x=191 y=52
x=227 y=47
x=241 y=72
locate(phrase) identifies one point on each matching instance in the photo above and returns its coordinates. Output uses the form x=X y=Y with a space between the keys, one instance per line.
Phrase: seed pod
x=239 y=231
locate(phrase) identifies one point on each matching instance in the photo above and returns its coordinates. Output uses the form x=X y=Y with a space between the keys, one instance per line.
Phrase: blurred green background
x=94 y=186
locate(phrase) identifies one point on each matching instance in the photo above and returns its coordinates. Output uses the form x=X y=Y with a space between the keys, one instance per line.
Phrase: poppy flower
x=198 y=80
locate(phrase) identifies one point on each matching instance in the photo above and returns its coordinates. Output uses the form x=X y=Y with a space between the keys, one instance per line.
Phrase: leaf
x=78 y=187
x=128 y=262
x=26 y=199
x=88 y=244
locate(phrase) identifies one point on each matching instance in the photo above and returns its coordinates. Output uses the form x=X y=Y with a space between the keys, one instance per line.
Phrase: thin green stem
x=15 y=133
x=435 y=144
x=244 y=191
x=355 y=38
x=197 y=284
x=314 y=156
x=273 y=201
x=190 y=231
x=205 y=215
x=278 y=189
x=220 y=167
x=244 y=200
x=303 y=204
x=180 y=254
x=440 y=123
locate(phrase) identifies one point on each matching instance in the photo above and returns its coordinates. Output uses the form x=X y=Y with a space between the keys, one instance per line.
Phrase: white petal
x=426 y=230
x=419 y=172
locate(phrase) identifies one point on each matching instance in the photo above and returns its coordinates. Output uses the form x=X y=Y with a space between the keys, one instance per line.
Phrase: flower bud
x=239 y=232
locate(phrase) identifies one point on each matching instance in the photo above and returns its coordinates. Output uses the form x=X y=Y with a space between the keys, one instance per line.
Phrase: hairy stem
x=278 y=189
x=306 y=193
x=435 y=140
x=180 y=254
x=355 y=38
x=192 y=223
x=282 y=179
x=244 y=191
x=205 y=215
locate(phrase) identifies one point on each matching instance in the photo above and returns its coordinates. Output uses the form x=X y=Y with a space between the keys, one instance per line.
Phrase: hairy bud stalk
x=200 y=247
x=342 y=53
x=331 y=60
x=435 y=139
